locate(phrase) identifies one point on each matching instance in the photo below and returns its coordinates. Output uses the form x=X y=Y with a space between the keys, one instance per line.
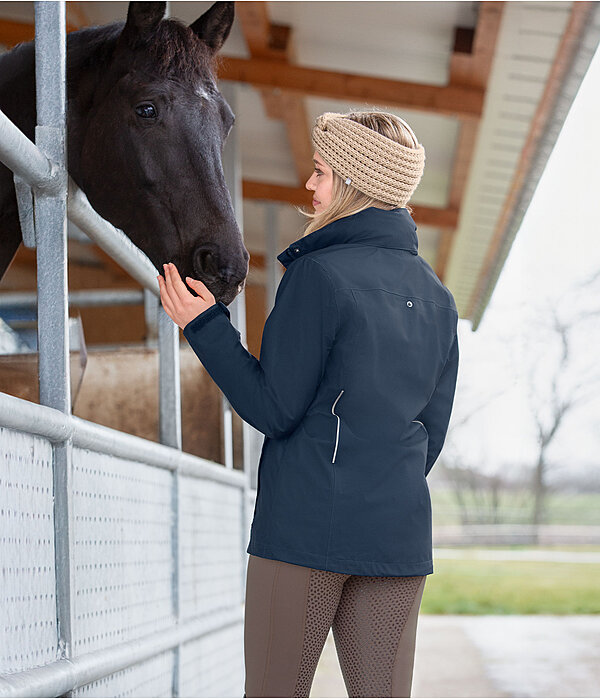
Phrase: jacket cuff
x=216 y=309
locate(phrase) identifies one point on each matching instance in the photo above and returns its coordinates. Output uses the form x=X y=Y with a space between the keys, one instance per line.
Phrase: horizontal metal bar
x=28 y=417
x=26 y=160
x=60 y=677
x=80 y=298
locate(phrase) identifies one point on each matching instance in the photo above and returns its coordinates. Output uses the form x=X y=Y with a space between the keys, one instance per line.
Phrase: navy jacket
x=353 y=392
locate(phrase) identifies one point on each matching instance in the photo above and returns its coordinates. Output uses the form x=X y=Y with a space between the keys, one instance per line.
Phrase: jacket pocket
x=337 y=432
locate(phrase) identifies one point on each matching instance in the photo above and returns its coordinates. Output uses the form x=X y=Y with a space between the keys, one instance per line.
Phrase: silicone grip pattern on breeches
x=373 y=619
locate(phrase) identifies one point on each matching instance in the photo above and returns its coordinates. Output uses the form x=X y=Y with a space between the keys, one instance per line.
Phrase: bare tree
x=471 y=489
x=555 y=384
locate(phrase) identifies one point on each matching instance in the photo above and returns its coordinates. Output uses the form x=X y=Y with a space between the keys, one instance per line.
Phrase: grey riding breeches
x=290 y=609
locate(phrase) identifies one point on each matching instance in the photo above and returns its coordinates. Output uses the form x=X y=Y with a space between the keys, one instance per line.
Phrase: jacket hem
x=342 y=566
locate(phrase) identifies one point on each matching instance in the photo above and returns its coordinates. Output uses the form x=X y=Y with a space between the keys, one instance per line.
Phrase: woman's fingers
x=199 y=287
x=164 y=297
x=177 y=287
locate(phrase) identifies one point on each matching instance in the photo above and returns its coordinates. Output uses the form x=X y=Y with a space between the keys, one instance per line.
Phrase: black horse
x=146 y=128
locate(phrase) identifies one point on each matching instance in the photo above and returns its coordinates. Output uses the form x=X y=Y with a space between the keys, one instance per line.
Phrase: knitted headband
x=374 y=164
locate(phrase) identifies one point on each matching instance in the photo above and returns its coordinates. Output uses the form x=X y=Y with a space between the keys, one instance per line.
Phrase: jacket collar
x=383 y=228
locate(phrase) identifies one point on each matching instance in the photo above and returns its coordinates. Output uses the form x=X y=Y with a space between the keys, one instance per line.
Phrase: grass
x=482 y=587
x=504 y=587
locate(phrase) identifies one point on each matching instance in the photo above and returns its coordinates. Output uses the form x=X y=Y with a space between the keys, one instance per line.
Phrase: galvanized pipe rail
x=80 y=298
x=58 y=427
x=60 y=677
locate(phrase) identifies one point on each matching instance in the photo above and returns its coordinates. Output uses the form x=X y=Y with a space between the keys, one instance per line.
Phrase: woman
x=353 y=392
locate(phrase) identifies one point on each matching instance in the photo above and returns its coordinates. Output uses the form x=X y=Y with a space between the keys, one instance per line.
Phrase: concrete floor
x=493 y=656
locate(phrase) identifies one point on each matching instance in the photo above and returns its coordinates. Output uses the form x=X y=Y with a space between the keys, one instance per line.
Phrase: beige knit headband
x=371 y=162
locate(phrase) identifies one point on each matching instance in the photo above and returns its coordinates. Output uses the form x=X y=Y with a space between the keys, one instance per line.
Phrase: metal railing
x=42 y=185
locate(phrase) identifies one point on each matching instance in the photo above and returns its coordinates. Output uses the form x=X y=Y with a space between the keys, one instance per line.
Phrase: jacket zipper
x=337 y=435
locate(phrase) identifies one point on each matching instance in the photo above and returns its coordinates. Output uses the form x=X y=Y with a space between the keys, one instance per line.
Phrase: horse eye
x=147 y=111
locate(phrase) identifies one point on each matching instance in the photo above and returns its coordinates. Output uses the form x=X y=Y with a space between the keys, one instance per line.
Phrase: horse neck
x=17 y=87
x=88 y=51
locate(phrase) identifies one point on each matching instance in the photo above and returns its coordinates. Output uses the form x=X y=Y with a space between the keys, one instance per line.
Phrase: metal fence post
x=272 y=265
x=50 y=214
x=232 y=166
x=170 y=434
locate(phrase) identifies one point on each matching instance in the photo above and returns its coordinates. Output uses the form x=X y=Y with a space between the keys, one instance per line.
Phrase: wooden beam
x=251 y=189
x=427 y=216
x=256 y=27
x=271 y=41
x=470 y=65
x=452 y=100
x=13 y=33
x=76 y=15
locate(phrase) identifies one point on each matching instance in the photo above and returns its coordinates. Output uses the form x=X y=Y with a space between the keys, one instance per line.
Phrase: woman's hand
x=179 y=304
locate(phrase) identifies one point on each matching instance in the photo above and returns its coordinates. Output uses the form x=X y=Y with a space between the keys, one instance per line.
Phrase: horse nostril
x=205 y=263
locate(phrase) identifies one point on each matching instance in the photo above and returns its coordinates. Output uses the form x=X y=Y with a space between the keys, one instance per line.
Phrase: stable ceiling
x=486 y=87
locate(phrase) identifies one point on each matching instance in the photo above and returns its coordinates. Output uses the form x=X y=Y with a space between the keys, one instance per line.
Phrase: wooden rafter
x=428 y=216
x=13 y=32
x=470 y=66
x=451 y=100
x=275 y=42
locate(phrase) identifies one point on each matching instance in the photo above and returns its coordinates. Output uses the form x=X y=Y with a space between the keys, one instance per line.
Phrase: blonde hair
x=345 y=199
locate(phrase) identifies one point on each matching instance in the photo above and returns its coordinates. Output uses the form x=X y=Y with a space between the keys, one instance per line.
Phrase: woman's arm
x=273 y=393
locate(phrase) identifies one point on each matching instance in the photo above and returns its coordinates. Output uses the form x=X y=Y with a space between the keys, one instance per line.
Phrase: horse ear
x=214 y=25
x=142 y=19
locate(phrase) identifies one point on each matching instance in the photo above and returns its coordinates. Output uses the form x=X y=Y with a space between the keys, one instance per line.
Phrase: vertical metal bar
x=232 y=172
x=169 y=381
x=169 y=393
x=169 y=399
x=151 y=304
x=232 y=167
x=271 y=249
x=50 y=211
x=170 y=434
x=50 y=214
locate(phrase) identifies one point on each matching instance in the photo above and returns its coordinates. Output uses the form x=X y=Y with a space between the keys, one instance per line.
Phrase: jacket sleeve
x=436 y=415
x=273 y=393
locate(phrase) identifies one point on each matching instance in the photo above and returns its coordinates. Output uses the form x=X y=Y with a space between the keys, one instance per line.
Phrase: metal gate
x=123 y=560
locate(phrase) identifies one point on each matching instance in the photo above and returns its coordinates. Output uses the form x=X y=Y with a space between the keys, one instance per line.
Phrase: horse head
x=147 y=127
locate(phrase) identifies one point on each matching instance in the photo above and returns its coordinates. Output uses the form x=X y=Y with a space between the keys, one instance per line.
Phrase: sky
x=556 y=248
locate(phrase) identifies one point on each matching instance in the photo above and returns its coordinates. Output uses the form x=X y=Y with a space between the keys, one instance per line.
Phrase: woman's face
x=321 y=183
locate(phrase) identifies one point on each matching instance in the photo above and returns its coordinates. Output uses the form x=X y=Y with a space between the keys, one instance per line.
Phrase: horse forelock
x=176 y=50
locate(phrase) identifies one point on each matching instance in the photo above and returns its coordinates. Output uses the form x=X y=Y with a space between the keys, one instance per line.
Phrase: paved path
x=517 y=554
x=493 y=656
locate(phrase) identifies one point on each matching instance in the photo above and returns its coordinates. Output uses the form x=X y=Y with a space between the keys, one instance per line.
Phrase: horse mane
x=175 y=50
